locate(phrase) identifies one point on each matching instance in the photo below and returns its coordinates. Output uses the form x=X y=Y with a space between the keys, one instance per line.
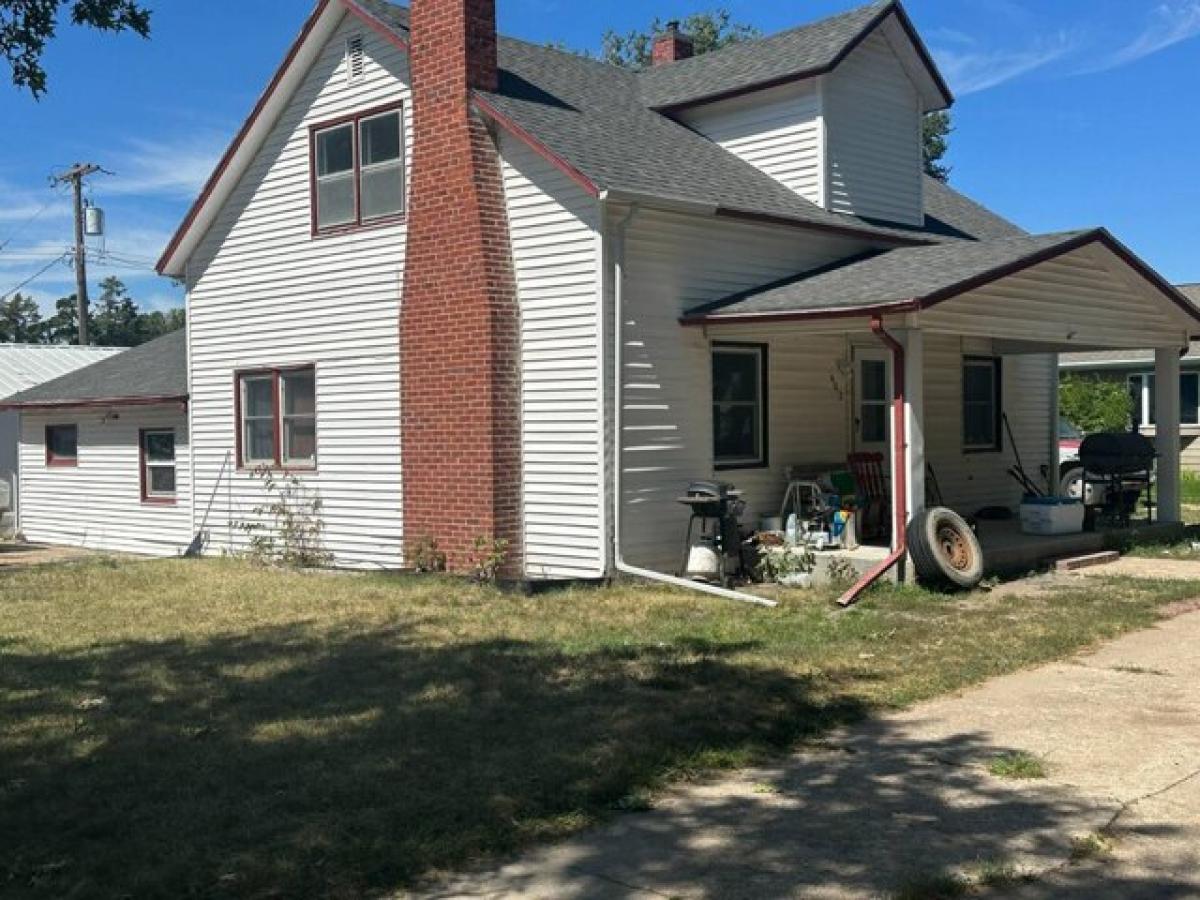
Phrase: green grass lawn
x=207 y=728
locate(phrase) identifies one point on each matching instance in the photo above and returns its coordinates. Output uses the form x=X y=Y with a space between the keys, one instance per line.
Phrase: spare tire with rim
x=944 y=549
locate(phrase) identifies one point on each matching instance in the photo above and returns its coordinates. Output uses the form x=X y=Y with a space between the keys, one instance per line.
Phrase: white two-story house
x=467 y=286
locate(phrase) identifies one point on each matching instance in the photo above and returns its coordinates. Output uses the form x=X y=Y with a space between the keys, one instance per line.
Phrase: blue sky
x=1069 y=114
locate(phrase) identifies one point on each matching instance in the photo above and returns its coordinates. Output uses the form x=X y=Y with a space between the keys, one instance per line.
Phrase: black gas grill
x=717 y=508
x=1119 y=467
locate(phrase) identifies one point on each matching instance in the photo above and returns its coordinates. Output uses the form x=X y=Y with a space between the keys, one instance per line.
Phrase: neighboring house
x=23 y=366
x=1136 y=369
x=467 y=286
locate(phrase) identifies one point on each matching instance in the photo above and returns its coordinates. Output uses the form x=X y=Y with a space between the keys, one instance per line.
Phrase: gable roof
x=802 y=52
x=1100 y=359
x=154 y=372
x=23 y=366
x=588 y=115
x=595 y=121
x=908 y=279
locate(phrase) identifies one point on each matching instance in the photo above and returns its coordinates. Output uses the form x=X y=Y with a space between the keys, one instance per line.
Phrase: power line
x=20 y=228
x=36 y=275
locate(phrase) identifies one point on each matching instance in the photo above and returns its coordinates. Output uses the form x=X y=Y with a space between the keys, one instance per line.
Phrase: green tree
x=1091 y=403
x=935 y=133
x=20 y=320
x=27 y=25
x=159 y=322
x=708 y=30
x=63 y=326
x=113 y=321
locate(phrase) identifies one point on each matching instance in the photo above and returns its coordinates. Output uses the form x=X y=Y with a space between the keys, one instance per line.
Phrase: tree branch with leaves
x=26 y=26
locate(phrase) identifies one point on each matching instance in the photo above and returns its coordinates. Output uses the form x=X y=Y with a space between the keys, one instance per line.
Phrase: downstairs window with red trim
x=277 y=418
x=62 y=445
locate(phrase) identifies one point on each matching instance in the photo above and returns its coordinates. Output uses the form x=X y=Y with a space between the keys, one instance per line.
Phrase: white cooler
x=1051 y=515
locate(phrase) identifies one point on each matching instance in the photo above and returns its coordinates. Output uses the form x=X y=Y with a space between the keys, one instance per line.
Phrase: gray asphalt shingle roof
x=595 y=117
x=24 y=365
x=814 y=48
x=157 y=368
x=897 y=276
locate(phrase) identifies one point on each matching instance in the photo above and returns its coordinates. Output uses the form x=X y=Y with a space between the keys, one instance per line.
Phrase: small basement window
x=158 y=465
x=739 y=403
x=358 y=171
x=277 y=418
x=981 y=403
x=62 y=445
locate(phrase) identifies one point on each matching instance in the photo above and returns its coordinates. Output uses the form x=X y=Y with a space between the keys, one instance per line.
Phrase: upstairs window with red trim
x=358 y=171
x=62 y=445
x=277 y=418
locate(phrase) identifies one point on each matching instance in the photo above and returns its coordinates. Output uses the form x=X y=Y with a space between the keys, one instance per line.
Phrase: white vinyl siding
x=1085 y=298
x=873 y=132
x=263 y=293
x=777 y=130
x=97 y=503
x=675 y=262
x=971 y=481
x=552 y=225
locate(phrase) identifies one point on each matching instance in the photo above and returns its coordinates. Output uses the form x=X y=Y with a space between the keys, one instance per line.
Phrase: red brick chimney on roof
x=672 y=45
x=459 y=379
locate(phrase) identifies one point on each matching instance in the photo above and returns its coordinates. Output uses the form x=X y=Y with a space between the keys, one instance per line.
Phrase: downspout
x=618 y=364
x=899 y=467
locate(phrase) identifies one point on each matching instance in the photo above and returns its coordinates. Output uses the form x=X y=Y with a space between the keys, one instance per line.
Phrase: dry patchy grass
x=207 y=728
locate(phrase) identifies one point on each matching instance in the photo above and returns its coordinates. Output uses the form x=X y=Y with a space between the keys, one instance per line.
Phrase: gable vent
x=354 y=58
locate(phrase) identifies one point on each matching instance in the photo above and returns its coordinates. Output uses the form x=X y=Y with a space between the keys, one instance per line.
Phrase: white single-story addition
x=104 y=454
x=474 y=287
x=23 y=366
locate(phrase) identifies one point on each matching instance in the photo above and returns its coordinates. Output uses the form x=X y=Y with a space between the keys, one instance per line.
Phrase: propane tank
x=93 y=221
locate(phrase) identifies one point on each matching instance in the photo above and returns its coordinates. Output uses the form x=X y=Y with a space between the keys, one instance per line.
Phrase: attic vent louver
x=354 y=58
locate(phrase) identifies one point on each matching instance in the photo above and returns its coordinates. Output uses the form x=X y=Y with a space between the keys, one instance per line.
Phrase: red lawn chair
x=873 y=500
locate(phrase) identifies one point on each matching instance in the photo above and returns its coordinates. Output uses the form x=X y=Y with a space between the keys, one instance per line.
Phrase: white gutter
x=618 y=363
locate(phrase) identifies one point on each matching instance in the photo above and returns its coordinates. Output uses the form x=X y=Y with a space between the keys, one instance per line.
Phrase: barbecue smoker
x=1119 y=467
x=712 y=552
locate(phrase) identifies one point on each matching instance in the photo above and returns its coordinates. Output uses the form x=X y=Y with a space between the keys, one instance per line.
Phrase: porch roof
x=909 y=279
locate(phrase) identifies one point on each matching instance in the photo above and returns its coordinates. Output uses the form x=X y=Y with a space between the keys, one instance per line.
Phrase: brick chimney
x=459 y=378
x=672 y=45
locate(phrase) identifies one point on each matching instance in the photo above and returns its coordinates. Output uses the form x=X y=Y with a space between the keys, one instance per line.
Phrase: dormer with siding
x=837 y=120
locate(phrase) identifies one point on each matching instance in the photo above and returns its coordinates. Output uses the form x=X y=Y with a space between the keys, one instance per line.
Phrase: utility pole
x=75 y=176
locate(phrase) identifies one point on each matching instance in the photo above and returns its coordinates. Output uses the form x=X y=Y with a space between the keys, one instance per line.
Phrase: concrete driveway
x=905 y=799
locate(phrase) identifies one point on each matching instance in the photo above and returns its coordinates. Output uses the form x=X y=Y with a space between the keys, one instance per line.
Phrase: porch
x=943 y=359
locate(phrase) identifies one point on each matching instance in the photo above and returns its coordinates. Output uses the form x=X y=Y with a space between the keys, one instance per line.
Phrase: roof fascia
x=320 y=24
x=947 y=98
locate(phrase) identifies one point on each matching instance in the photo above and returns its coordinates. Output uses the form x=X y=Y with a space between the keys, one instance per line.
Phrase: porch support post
x=1166 y=414
x=1052 y=453
x=914 y=413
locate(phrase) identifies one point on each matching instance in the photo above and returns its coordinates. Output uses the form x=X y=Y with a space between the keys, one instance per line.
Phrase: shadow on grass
x=299 y=762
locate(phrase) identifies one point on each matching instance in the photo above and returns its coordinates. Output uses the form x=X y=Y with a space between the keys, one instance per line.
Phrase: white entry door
x=872 y=401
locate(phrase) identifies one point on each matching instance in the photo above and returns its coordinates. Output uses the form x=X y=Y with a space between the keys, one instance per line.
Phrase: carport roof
x=908 y=279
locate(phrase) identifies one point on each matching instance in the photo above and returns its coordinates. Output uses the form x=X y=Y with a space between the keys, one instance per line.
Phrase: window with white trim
x=358 y=170
x=739 y=404
x=1141 y=392
x=158 y=465
x=277 y=418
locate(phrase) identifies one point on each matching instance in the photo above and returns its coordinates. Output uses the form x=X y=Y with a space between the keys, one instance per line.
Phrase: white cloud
x=1171 y=23
x=172 y=169
x=970 y=68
